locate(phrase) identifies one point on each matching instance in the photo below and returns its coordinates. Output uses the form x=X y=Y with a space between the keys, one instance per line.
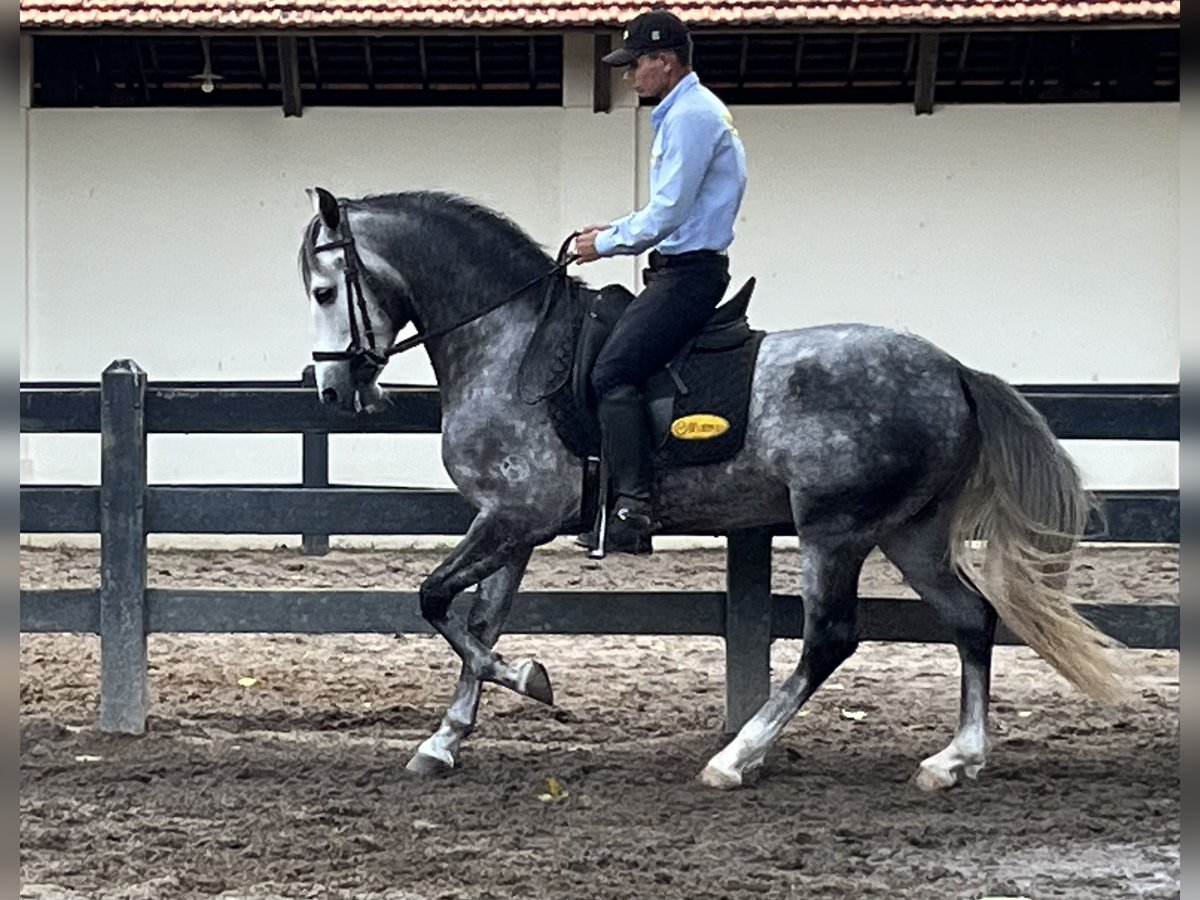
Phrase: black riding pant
x=680 y=295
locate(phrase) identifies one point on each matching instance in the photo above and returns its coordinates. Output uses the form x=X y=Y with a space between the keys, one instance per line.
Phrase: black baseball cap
x=656 y=30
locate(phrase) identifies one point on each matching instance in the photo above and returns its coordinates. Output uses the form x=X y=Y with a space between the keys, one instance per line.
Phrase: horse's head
x=359 y=303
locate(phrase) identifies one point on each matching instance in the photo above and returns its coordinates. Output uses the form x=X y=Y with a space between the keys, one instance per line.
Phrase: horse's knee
x=831 y=645
x=434 y=604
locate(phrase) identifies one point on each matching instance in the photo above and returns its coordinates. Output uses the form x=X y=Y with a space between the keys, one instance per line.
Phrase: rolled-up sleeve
x=687 y=146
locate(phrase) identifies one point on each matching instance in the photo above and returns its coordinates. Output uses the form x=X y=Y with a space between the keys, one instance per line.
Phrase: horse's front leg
x=492 y=543
x=438 y=753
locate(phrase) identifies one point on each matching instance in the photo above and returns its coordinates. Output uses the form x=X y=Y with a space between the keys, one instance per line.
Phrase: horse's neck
x=483 y=356
x=486 y=351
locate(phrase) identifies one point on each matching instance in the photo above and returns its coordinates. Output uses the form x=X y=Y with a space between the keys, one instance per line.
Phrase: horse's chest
x=484 y=444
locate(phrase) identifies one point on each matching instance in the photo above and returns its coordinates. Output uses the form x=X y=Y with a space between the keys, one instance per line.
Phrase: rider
x=697 y=181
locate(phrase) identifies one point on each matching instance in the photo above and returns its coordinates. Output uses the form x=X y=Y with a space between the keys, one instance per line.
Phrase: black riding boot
x=626 y=447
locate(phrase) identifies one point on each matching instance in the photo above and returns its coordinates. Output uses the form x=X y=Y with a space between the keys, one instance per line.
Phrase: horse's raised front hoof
x=426 y=766
x=534 y=681
x=722 y=779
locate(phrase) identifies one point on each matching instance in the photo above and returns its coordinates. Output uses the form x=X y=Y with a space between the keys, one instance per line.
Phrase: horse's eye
x=323 y=295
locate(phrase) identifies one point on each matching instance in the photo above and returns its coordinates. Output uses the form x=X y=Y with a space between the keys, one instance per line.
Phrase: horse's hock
x=124 y=407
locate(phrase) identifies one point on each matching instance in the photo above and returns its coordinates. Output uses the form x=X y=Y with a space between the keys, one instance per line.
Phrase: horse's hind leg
x=830 y=637
x=437 y=754
x=920 y=552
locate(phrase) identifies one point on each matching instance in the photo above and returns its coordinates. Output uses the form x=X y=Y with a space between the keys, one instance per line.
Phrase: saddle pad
x=718 y=384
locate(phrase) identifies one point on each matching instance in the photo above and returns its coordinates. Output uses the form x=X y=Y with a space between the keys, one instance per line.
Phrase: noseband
x=366 y=350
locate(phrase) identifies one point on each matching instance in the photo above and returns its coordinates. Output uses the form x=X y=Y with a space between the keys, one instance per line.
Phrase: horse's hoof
x=534 y=681
x=935 y=778
x=722 y=779
x=427 y=766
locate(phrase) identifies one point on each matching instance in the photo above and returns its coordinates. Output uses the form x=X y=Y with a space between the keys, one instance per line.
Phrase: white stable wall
x=1036 y=242
x=171 y=237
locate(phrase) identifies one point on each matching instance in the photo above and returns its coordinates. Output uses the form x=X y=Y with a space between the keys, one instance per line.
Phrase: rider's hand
x=585 y=247
x=585 y=242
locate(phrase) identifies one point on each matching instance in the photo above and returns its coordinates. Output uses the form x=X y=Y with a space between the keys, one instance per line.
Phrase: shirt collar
x=686 y=83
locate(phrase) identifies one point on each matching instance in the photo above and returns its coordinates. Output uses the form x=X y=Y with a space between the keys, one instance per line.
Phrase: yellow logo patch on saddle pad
x=699 y=427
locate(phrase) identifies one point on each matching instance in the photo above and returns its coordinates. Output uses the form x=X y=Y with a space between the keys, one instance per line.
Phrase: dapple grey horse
x=859 y=436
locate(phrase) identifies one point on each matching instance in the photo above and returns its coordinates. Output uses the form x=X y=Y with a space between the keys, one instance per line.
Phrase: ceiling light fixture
x=206 y=78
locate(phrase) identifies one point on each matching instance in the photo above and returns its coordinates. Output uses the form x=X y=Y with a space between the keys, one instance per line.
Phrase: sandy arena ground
x=293 y=786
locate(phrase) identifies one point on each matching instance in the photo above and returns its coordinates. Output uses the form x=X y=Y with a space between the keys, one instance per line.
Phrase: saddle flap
x=601 y=310
x=546 y=365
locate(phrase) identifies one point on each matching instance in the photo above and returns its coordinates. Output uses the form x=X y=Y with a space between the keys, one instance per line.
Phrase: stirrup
x=601 y=530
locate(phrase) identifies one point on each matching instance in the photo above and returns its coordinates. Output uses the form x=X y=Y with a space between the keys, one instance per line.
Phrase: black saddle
x=697 y=404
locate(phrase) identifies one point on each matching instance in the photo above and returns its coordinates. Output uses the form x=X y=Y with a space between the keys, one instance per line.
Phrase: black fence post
x=315 y=466
x=124 y=678
x=747 y=625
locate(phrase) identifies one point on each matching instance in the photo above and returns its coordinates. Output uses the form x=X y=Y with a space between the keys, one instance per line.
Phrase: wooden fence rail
x=124 y=407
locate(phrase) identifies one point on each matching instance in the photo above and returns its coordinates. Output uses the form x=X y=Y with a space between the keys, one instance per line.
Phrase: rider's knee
x=614 y=389
x=603 y=381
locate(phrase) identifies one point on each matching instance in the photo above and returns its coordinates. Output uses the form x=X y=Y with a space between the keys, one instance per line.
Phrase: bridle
x=362 y=336
x=354 y=297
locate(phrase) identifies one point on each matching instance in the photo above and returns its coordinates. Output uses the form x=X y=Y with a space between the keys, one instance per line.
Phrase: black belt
x=664 y=261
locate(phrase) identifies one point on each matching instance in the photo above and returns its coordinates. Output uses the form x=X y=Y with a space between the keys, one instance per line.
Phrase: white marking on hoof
x=430 y=760
x=715 y=776
x=946 y=770
x=534 y=681
x=427 y=766
x=935 y=778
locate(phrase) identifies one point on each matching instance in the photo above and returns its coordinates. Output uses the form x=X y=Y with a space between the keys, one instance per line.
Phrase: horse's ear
x=325 y=205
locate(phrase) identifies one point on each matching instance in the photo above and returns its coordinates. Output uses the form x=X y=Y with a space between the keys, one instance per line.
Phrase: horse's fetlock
x=489 y=669
x=477 y=624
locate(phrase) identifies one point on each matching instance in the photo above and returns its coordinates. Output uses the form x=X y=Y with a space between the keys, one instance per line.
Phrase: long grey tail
x=1026 y=501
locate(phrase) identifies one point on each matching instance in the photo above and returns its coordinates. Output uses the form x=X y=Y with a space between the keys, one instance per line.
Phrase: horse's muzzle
x=342 y=402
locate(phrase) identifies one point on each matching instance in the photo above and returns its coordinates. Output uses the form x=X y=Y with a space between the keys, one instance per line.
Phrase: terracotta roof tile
x=221 y=14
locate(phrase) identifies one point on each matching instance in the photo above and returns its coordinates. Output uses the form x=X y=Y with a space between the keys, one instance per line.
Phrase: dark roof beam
x=927 y=59
x=602 y=75
x=314 y=58
x=366 y=45
x=798 y=62
x=910 y=57
x=141 y=64
x=289 y=76
x=962 y=58
x=262 y=63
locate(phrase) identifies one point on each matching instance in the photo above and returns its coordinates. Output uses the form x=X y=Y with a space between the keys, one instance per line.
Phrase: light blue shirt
x=697 y=179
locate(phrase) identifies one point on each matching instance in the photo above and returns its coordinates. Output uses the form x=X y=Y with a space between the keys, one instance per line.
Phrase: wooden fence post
x=315 y=469
x=747 y=625
x=124 y=678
